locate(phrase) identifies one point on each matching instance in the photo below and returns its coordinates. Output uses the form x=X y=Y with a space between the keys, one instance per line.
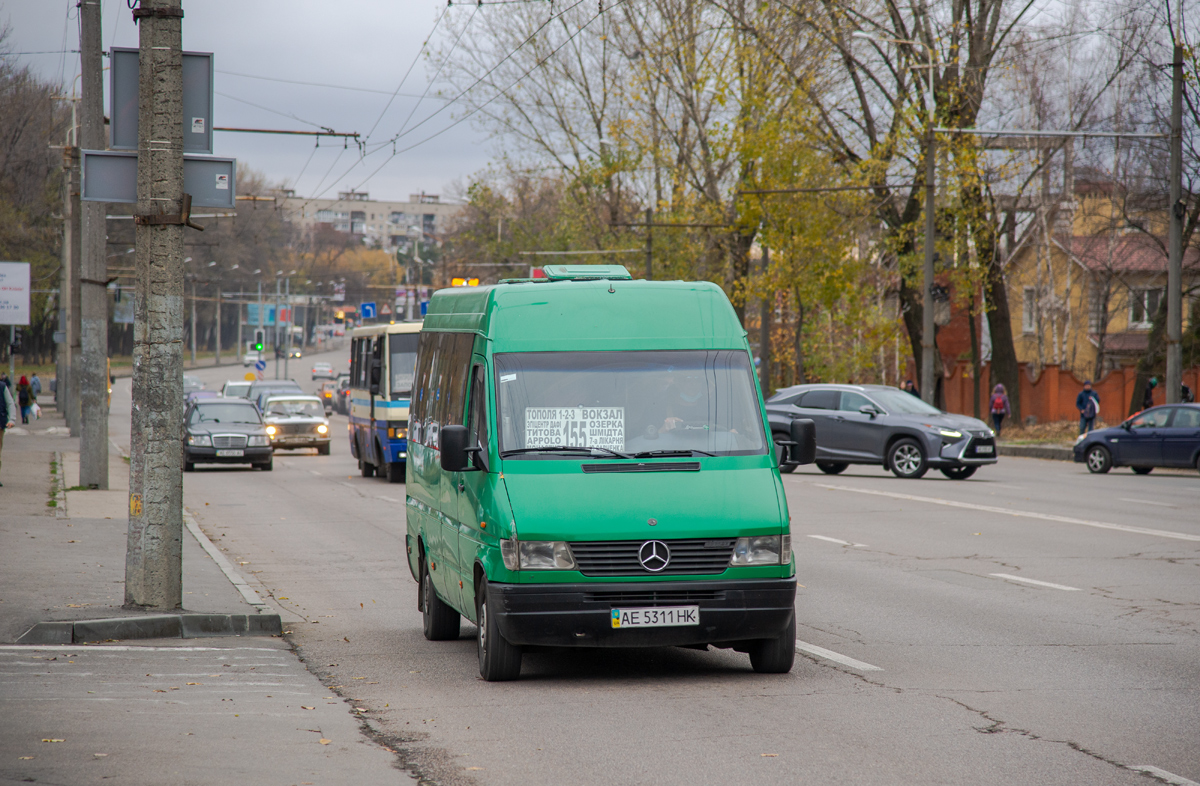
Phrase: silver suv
x=296 y=420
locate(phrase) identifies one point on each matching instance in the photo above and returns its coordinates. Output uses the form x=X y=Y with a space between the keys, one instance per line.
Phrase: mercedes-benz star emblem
x=654 y=555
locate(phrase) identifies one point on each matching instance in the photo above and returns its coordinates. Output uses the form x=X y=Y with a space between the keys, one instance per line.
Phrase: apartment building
x=381 y=224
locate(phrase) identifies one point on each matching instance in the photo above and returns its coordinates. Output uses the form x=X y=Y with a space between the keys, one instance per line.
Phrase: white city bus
x=382 y=362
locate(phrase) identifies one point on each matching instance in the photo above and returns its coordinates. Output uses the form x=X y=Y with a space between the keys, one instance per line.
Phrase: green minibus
x=589 y=465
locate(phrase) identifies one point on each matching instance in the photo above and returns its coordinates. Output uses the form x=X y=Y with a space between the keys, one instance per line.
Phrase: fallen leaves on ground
x=306 y=708
x=324 y=741
x=47 y=740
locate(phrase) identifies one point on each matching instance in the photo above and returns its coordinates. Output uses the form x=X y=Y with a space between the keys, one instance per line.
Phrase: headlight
x=949 y=433
x=761 y=550
x=271 y=430
x=200 y=440
x=1080 y=438
x=545 y=555
x=322 y=429
x=257 y=441
x=401 y=433
x=508 y=550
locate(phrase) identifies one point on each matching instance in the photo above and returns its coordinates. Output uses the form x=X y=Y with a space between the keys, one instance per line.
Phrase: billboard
x=14 y=293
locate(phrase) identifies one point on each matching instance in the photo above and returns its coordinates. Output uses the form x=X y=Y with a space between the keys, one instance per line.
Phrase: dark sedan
x=226 y=431
x=877 y=424
x=1167 y=436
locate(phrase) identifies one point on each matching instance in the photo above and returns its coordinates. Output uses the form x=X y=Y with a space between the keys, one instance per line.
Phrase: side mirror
x=1127 y=425
x=867 y=409
x=375 y=374
x=804 y=435
x=456 y=456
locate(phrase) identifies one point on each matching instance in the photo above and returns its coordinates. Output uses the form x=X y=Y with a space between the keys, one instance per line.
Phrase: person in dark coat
x=1148 y=396
x=911 y=388
x=24 y=399
x=999 y=406
x=1088 y=404
x=8 y=413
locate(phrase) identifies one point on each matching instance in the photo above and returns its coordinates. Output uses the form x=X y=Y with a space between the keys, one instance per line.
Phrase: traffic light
x=258 y=341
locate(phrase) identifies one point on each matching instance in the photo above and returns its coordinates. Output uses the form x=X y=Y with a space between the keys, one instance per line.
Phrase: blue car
x=1167 y=436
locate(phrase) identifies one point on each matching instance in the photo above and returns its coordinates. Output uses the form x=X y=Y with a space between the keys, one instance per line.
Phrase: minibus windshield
x=402 y=347
x=681 y=402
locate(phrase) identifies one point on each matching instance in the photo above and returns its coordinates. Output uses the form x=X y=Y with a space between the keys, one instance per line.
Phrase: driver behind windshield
x=687 y=403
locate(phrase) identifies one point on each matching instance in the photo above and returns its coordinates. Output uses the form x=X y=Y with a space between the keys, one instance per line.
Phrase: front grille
x=973 y=452
x=653 y=597
x=620 y=557
x=229 y=441
x=285 y=429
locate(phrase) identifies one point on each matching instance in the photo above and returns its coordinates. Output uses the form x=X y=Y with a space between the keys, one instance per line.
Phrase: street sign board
x=111 y=176
x=260 y=365
x=368 y=310
x=14 y=293
x=197 y=100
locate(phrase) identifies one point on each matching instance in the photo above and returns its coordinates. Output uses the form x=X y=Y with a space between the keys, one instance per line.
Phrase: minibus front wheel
x=498 y=659
x=775 y=656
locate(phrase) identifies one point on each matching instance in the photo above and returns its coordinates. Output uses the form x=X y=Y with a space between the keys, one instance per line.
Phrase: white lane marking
x=1169 y=777
x=314 y=472
x=226 y=567
x=821 y=652
x=1146 y=502
x=122 y=648
x=1010 y=577
x=839 y=542
x=389 y=499
x=1161 y=533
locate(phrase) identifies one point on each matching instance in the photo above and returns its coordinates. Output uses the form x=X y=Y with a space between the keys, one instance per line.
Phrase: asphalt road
x=931 y=652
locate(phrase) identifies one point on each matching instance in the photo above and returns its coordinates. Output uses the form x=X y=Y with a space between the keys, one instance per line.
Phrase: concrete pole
x=217 y=359
x=276 y=322
x=1175 y=237
x=68 y=292
x=764 y=330
x=649 y=244
x=153 y=559
x=93 y=269
x=287 y=341
x=193 y=322
x=928 y=344
x=240 y=346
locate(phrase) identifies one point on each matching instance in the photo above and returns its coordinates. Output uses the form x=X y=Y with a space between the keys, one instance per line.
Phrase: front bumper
x=962 y=453
x=300 y=441
x=209 y=456
x=580 y=615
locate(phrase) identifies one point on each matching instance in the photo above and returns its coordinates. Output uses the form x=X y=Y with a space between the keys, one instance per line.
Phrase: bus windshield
x=692 y=402
x=402 y=361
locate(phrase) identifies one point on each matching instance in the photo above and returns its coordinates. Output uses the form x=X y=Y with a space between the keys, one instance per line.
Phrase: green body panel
x=553 y=499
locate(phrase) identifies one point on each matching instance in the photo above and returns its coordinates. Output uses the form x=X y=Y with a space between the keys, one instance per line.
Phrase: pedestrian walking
x=8 y=409
x=911 y=388
x=35 y=385
x=5 y=381
x=23 y=398
x=1186 y=395
x=1000 y=406
x=1088 y=404
x=1148 y=396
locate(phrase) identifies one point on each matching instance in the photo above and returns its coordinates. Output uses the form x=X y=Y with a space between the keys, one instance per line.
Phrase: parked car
x=323 y=371
x=197 y=395
x=225 y=431
x=296 y=421
x=341 y=397
x=236 y=388
x=1165 y=436
x=257 y=389
x=882 y=425
x=294 y=352
x=191 y=384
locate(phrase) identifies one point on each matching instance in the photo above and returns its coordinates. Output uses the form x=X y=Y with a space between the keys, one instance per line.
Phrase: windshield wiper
x=565 y=449
x=678 y=452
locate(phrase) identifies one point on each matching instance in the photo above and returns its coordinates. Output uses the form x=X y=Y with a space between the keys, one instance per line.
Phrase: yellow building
x=1084 y=285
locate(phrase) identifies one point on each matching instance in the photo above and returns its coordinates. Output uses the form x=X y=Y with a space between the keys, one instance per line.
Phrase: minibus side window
x=353 y=361
x=458 y=362
x=419 y=409
x=477 y=424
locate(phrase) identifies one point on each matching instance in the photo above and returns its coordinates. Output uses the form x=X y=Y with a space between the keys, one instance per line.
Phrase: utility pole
x=153 y=560
x=276 y=321
x=93 y=268
x=1175 y=235
x=193 y=322
x=217 y=359
x=260 y=322
x=764 y=329
x=649 y=244
x=240 y=346
x=928 y=328
x=287 y=341
x=68 y=288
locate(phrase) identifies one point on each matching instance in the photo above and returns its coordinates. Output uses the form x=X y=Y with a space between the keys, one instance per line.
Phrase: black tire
x=775 y=656
x=267 y=465
x=189 y=466
x=832 y=467
x=1098 y=459
x=1142 y=470
x=499 y=661
x=777 y=437
x=323 y=450
x=907 y=459
x=395 y=472
x=439 y=621
x=365 y=469
x=959 y=473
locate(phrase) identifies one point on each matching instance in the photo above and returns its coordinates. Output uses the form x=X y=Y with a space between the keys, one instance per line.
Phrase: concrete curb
x=1052 y=452
x=153 y=626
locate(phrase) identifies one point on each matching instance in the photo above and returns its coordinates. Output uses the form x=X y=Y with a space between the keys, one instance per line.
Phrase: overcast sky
x=367 y=45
